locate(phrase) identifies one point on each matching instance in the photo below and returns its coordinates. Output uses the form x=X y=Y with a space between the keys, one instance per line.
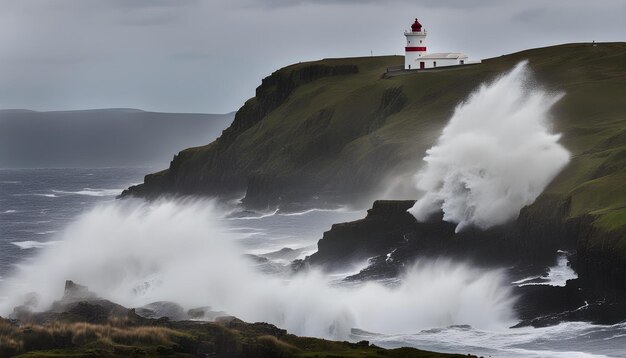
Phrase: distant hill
x=101 y=137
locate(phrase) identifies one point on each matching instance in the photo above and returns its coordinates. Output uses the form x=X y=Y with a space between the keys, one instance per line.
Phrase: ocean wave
x=9 y=211
x=38 y=194
x=315 y=210
x=31 y=244
x=279 y=212
x=244 y=229
x=161 y=242
x=263 y=216
x=283 y=255
x=558 y=341
x=524 y=281
x=557 y=275
x=91 y=192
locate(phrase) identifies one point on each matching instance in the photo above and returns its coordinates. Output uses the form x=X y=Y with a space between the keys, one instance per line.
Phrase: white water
x=495 y=156
x=566 y=340
x=91 y=192
x=314 y=210
x=556 y=276
x=263 y=216
x=135 y=253
x=32 y=244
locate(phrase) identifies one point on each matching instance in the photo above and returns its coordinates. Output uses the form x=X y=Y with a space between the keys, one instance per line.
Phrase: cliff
x=338 y=129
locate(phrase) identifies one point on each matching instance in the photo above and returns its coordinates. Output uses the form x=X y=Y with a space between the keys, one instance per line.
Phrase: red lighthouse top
x=416 y=27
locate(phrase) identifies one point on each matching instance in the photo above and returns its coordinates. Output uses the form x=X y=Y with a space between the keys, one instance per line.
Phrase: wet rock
x=75 y=292
x=285 y=253
x=198 y=313
x=160 y=309
x=386 y=225
x=205 y=314
x=391 y=239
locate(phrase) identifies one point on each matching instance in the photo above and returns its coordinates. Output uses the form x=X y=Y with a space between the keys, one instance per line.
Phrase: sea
x=38 y=205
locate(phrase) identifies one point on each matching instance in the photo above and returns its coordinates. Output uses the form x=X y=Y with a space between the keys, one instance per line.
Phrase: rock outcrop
x=389 y=227
x=392 y=239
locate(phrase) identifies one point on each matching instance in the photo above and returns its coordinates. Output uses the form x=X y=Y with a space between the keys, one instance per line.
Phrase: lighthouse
x=415 y=46
x=417 y=58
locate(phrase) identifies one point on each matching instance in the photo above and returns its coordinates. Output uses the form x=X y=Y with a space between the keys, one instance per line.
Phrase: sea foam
x=495 y=156
x=134 y=253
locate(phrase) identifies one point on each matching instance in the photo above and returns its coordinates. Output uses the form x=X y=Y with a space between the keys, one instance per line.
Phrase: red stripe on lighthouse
x=413 y=49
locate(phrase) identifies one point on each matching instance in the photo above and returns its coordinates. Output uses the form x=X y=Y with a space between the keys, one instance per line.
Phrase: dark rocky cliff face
x=599 y=264
x=384 y=228
x=393 y=240
x=533 y=239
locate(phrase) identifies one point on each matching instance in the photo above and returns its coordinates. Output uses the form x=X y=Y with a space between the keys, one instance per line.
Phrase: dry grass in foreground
x=15 y=339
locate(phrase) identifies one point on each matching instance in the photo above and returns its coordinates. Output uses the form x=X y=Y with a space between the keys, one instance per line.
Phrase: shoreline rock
x=392 y=239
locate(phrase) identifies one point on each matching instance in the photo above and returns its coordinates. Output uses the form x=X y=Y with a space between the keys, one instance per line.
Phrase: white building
x=416 y=56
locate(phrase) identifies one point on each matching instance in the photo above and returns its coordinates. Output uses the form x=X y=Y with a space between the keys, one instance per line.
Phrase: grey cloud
x=528 y=15
x=153 y=18
x=144 y=4
x=424 y=3
x=209 y=55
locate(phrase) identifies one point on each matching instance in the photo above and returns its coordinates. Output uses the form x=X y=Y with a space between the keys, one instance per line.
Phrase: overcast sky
x=209 y=55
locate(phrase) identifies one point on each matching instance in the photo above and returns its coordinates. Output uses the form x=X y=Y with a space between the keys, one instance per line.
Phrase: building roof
x=445 y=55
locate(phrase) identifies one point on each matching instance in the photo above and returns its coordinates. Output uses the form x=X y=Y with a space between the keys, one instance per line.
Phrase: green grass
x=612 y=219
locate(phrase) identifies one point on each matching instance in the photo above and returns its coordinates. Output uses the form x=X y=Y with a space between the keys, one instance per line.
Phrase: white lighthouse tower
x=415 y=46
